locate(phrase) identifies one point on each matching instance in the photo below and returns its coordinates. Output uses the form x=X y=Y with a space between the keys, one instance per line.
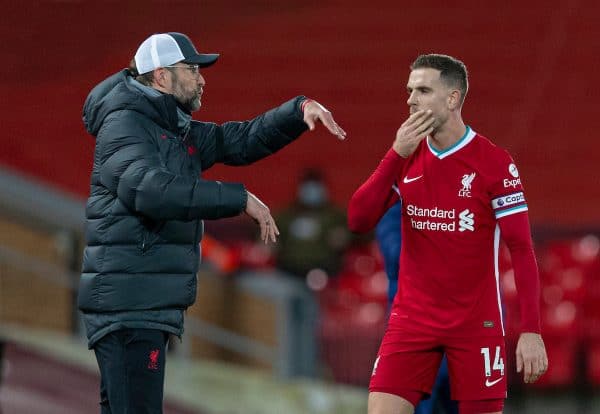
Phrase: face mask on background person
x=312 y=194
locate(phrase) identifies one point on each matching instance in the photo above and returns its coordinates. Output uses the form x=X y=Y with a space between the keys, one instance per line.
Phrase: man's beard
x=190 y=103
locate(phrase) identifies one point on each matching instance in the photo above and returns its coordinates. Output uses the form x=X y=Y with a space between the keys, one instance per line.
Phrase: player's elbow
x=516 y=236
x=359 y=223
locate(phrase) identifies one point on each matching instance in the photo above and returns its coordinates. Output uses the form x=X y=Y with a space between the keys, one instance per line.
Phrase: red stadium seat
x=582 y=253
x=593 y=363
x=562 y=368
x=349 y=340
x=591 y=311
x=561 y=319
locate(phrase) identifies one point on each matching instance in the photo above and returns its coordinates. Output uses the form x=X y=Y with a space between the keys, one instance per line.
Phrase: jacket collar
x=183 y=118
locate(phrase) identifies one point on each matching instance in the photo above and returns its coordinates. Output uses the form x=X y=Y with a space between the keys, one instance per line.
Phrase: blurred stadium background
x=256 y=341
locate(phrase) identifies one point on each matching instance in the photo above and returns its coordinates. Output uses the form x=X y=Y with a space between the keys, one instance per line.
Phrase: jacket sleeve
x=242 y=143
x=131 y=169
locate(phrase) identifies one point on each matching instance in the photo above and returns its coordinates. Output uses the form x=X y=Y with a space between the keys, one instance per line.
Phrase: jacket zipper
x=146 y=244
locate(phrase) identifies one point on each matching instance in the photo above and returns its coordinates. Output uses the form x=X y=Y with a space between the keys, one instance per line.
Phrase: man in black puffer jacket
x=147 y=202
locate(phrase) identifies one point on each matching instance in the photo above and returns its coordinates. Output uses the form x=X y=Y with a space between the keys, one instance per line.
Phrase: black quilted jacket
x=147 y=200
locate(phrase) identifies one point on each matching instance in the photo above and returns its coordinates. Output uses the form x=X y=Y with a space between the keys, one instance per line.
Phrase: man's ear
x=454 y=99
x=161 y=78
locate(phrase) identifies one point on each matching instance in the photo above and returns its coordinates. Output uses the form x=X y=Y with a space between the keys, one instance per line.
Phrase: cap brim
x=203 y=60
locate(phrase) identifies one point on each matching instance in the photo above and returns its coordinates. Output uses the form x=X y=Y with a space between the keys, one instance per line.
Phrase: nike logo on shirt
x=489 y=383
x=410 y=180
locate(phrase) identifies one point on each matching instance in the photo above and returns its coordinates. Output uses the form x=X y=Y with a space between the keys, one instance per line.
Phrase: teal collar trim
x=462 y=142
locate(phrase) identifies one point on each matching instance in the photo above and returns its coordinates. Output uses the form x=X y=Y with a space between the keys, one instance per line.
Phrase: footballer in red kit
x=460 y=194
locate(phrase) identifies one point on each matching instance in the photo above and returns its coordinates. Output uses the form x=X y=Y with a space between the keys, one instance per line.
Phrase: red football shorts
x=407 y=365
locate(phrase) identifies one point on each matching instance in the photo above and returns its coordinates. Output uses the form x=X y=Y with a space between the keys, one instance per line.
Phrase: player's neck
x=448 y=135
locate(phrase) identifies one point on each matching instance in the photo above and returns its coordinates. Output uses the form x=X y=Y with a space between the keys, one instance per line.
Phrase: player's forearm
x=516 y=234
x=375 y=196
x=528 y=286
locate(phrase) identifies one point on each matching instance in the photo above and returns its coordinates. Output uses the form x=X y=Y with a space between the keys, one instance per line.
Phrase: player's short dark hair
x=452 y=71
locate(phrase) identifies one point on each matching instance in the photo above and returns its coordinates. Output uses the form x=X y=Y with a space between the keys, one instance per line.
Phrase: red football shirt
x=452 y=204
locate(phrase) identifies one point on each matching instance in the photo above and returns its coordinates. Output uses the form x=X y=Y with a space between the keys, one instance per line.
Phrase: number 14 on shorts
x=498 y=362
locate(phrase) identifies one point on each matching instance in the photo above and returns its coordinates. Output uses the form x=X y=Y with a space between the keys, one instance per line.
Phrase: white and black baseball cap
x=165 y=49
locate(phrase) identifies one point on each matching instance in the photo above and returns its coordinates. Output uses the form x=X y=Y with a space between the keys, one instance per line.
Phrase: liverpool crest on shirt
x=466 y=182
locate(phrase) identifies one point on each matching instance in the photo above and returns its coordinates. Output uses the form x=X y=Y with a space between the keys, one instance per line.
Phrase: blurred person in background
x=2 y=346
x=313 y=230
x=147 y=203
x=459 y=193
x=389 y=240
x=388 y=236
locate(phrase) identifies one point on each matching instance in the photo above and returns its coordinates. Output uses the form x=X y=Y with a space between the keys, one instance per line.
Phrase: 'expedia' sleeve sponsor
x=506 y=189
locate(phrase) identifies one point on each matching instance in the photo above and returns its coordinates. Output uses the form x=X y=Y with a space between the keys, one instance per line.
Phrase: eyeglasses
x=194 y=68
